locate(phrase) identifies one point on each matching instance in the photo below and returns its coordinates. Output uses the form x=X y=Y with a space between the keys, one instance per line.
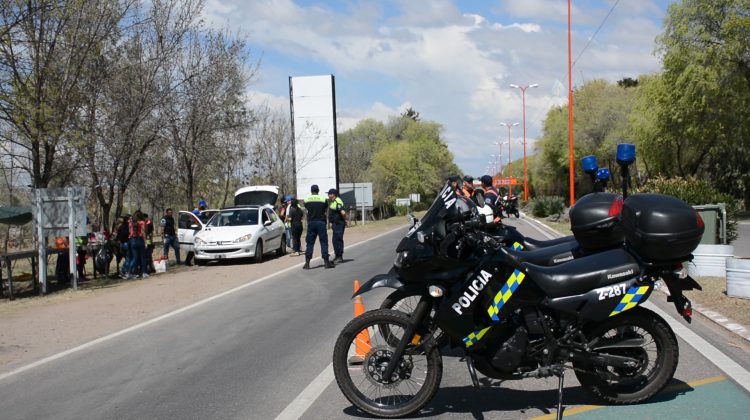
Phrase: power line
x=596 y=32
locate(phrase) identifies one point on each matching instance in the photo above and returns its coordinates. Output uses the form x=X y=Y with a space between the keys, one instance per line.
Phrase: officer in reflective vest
x=316 y=206
x=337 y=218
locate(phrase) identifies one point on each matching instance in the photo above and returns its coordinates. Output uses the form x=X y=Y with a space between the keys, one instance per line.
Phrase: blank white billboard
x=313 y=107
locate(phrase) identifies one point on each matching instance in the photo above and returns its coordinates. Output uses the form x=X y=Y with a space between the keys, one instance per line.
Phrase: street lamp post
x=500 y=155
x=571 y=163
x=510 y=126
x=523 y=96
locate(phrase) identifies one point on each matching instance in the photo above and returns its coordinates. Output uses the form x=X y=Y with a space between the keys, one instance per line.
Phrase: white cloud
x=347 y=119
x=452 y=66
x=255 y=98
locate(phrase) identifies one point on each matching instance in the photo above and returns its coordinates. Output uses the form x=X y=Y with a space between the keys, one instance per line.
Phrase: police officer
x=316 y=208
x=337 y=218
x=490 y=192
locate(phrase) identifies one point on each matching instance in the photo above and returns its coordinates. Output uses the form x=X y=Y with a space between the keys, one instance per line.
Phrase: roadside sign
x=403 y=202
x=505 y=181
x=59 y=212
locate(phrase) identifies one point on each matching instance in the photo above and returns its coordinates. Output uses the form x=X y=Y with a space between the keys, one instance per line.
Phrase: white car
x=248 y=230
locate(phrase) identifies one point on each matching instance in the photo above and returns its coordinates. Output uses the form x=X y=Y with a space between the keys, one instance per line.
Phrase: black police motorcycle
x=595 y=215
x=515 y=319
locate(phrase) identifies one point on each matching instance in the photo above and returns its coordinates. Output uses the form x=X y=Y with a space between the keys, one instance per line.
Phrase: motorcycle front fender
x=390 y=280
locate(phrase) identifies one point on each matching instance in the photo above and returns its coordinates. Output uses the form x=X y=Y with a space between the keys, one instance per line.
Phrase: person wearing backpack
x=122 y=237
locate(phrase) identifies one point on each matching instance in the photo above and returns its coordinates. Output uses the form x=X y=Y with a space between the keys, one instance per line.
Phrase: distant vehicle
x=249 y=229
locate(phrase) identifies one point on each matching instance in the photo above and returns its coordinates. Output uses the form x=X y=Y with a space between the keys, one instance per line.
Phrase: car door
x=271 y=232
x=187 y=226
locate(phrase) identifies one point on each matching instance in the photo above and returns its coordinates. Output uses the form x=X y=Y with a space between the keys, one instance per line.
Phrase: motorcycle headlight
x=400 y=257
x=199 y=241
x=245 y=238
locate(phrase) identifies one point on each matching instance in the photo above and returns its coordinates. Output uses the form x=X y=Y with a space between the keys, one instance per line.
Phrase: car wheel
x=258 y=252
x=282 y=247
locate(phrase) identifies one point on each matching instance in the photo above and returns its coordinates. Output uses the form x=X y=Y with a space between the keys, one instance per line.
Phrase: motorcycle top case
x=594 y=220
x=661 y=228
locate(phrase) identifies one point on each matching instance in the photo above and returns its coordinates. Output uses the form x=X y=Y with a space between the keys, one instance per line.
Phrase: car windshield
x=237 y=217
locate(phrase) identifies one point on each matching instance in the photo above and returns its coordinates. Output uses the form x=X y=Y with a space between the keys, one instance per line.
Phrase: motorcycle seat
x=551 y=255
x=531 y=244
x=583 y=274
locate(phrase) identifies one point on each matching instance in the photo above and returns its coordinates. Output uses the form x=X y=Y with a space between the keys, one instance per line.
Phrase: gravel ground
x=714 y=296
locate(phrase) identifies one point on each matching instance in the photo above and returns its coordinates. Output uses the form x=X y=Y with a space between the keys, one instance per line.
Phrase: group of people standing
x=319 y=211
x=134 y=235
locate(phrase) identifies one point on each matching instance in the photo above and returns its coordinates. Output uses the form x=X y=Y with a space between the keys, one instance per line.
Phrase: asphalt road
x=265 y=350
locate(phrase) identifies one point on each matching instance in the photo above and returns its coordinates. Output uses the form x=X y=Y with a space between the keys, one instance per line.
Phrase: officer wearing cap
x=337 y=218
x=316 y=208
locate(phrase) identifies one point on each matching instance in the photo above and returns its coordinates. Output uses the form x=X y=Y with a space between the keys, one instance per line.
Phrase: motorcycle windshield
x=444 y=203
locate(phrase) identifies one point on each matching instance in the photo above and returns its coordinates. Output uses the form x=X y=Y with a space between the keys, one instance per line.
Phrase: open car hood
x=256 y=195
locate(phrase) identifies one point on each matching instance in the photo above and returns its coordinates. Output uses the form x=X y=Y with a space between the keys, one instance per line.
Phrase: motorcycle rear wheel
x=658 y=358
x=406 y=302
x=358 y=363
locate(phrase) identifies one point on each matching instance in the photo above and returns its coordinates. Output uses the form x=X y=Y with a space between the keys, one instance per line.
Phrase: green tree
x=356 y=148
x=418 y=165
x=600 y=122
x=703 y=99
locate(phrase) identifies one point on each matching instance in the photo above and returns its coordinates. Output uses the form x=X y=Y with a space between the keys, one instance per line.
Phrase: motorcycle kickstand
x=472 y=371
x=561 y=378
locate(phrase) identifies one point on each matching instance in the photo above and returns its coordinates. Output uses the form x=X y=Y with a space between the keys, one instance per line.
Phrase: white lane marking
x=167 y=315
x=307 y=397
x=714 y=355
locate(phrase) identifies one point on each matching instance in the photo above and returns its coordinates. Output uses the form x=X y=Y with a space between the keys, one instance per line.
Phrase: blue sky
x=452 y=61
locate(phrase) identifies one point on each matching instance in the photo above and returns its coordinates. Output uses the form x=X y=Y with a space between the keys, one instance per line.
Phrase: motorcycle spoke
x=384 y=337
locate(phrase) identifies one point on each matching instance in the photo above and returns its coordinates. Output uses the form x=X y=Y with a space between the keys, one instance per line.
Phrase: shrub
x=420 y=206
x=695 y=192
x=547 y=205
x=402 y=210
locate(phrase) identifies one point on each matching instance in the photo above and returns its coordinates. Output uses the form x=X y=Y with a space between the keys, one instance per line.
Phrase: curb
x=725 y=322
x=719 y=319
x=728 y=323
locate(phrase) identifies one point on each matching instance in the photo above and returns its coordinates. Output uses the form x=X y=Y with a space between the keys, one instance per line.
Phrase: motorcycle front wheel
x=362 y=351
x=639 y=334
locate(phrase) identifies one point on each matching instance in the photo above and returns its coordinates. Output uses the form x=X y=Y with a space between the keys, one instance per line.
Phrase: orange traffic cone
x=362 y=342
